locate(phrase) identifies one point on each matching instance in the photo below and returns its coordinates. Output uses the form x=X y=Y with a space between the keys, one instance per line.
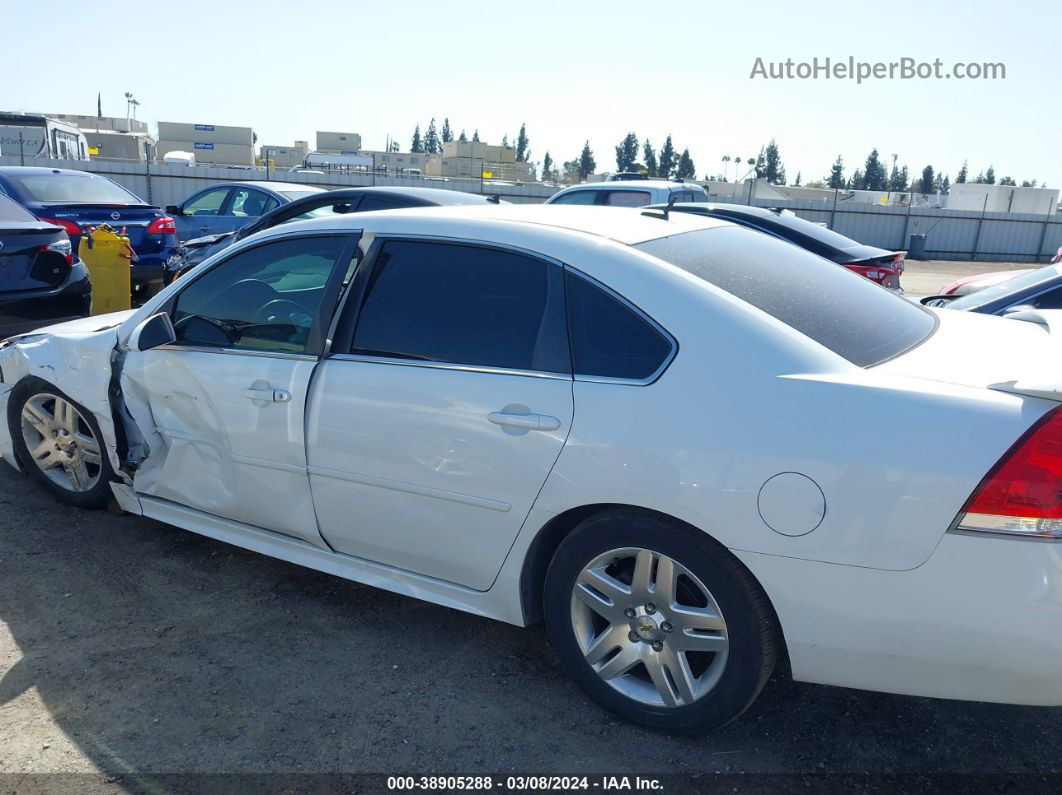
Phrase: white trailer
x=29 y=136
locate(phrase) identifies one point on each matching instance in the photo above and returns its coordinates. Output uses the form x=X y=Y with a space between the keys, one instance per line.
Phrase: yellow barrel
x=108 y=257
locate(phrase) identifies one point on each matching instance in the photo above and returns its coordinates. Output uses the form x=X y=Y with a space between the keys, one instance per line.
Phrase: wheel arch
x=553 y=532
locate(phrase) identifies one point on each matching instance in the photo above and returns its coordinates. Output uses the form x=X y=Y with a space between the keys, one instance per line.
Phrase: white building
x=980 y=197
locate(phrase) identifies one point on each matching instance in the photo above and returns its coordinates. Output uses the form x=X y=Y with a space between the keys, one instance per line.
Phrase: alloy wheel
x=649 y=627
x=61 y=442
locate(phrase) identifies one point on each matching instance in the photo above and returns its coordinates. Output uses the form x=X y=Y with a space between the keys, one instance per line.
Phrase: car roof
x=623 y=225
x=14 y=171
x=276 y=187
x=437 y=195
x=662 y=184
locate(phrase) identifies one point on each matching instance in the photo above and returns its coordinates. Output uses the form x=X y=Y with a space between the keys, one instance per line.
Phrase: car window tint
x=577 y=197
x=82 y=187
x=1052 y=299
x=263 y=299
x=464 y=305
x=850 y=315
x=207 y=203
x=628 y=198
x=698 y=196
x=609 y=338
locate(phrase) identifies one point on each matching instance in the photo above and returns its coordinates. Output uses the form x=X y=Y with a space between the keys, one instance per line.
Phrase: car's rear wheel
x=658 y=622
x=59 y=444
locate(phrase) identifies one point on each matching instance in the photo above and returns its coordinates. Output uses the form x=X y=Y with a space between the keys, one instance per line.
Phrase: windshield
x=74 y=188
x=1025 y=281
x=850 y=315
x=814 y=231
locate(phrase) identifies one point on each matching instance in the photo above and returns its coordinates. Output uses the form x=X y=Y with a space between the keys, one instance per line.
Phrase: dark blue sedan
x=75 y=200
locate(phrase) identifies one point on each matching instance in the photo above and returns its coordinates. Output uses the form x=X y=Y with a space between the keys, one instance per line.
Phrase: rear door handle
x=532 y=422
x=271 y=395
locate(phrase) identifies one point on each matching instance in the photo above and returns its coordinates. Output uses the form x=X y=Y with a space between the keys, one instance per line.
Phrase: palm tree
x=726 y=166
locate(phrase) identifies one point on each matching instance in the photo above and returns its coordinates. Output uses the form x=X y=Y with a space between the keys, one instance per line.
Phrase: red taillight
x=72 y=229
x=876 y=273
x=62 y=248
x=162 y=226
x=1022 y=495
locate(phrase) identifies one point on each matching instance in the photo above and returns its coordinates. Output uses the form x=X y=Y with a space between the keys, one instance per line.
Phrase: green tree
x=836 y=178
x=874 y=177
x=431 y=139
x=990 y=176
x=857 y=182
x=416 y=145
x=571 y=171
x=945 y=185
x=475 y=136
x=627 y=153
x=547 y=167
x=773 y=170
x=462 y=138
x=686 y=169
x=505 y=141
x=587 y=164
x=898 y=179
x=1007 y=181
x=962 y=174
x=447 y=133
x=649 y=155
x=393 y=146
x=797 y=183
x=666 y=167
x=1026 y=184
x=521 y=143
x=760 y=166
x=925 y=185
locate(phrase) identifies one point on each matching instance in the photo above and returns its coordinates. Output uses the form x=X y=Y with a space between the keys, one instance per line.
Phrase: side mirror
x=173 y=209
x=1010 y=310
x=151 y=333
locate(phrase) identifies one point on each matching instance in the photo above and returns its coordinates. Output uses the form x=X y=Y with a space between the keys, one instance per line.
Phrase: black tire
x=751 y=626
x=96 y=497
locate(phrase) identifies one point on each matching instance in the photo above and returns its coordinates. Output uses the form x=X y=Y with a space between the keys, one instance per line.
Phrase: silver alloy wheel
x=649 y=627
x=61 y=442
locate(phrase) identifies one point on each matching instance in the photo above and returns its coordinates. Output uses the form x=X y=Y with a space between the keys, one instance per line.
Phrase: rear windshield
x=1044 y=275
x=9 y=211
x=850 y=315
x=813 y=230
x=74 y=188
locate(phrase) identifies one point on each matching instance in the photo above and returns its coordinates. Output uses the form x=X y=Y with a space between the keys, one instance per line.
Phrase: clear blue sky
x=570 y=70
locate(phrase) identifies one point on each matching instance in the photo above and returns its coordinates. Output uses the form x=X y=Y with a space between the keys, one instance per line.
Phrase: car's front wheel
x=658 y=622
x=59 y=444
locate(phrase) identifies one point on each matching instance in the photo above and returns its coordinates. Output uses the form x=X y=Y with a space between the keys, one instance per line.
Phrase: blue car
x=227 y=206
x=75 y=200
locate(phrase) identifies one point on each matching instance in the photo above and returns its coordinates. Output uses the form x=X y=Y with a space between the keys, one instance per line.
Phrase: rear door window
x=850 y=315
x=577 y=197
x=628 y=198
x=206 y=203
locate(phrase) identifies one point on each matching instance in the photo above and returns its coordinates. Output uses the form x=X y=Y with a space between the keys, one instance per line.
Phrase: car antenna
x=670 y=204
x=494 y=197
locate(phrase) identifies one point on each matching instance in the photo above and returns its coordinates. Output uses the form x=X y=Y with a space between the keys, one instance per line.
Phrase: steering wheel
x=281 y=310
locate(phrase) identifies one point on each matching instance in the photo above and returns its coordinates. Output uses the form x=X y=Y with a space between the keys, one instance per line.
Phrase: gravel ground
x=130 y=649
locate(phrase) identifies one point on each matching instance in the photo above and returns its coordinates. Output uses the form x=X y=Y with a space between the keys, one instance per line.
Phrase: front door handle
x=268 y=394
x=532 y=422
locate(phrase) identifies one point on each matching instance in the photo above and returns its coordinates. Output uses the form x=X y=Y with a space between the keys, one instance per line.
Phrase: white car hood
x=986 y=351
x=85 y=325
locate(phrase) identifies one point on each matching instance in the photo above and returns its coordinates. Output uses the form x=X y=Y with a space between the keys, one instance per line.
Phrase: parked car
x=227 y=206
x=1030 y=289
x=333 y=202
x=41 y=281
x=877 y=264
x=972 y=284
x=76 y=200
x=662 y=434
x=630 y=193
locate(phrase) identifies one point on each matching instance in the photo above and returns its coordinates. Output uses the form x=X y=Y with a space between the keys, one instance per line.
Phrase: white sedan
x=693 y=449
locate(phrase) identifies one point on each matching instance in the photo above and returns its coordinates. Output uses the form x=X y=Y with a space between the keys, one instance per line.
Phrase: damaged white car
x=693 y=449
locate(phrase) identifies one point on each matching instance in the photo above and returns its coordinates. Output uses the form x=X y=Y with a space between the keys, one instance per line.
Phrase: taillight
x=876 y=273
x=1022 y=494
x=63 y=248
x=899 y=260
x=70 y=227
x=162 y=226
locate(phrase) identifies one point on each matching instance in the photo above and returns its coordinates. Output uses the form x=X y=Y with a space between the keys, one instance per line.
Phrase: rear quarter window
x=853 y=317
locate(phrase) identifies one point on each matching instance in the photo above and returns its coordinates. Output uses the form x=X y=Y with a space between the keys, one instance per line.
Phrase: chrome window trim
x=467 y=368
x=305 y=357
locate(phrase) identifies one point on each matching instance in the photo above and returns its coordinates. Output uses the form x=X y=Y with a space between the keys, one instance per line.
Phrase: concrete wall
x=951 y=234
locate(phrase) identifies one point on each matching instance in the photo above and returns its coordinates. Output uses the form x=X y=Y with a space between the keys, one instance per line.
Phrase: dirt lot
x=130 y=649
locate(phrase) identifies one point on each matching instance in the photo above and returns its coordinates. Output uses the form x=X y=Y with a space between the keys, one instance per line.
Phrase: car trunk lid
x=25 y=262
x=986 y=351
x=133 y=218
